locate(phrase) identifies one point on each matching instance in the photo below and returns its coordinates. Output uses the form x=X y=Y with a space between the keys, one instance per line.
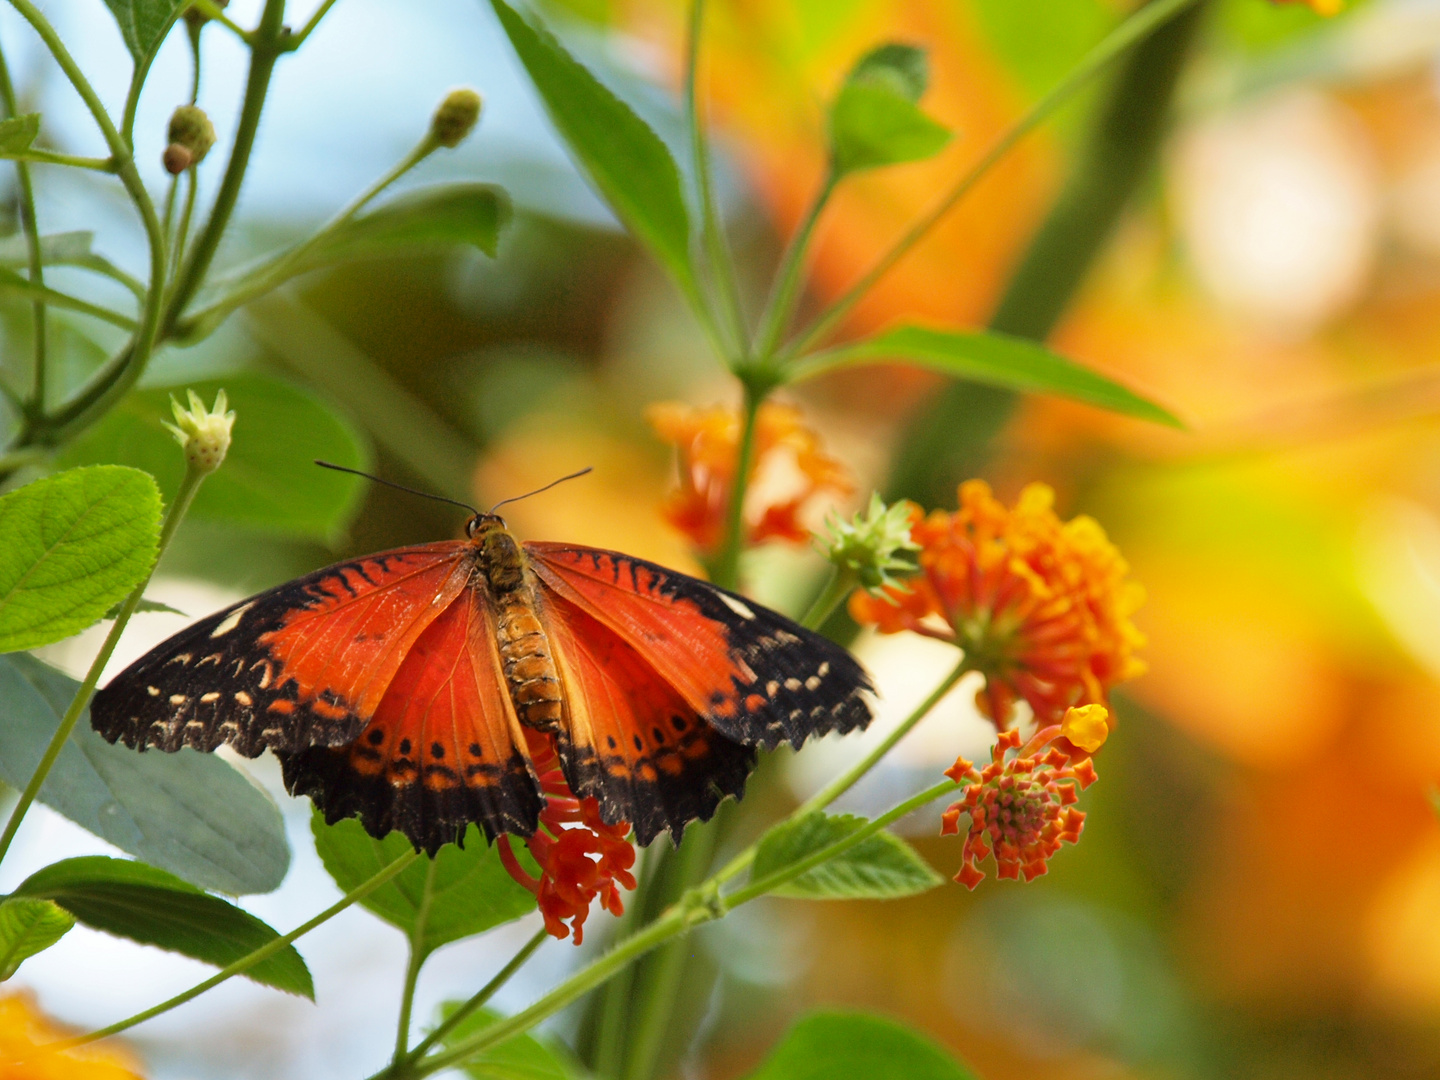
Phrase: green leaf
x=190 y=813
x=152 y=907
x=523 y=1057
x=269 y=481
x=993 y=359
x=17 y=133
x=833 y=1045
x=875 y=119
x=469 y=892
x=28 y=927
x=144 y=605
x=444 y=214
x=71 y=545
x=144 y=24
x=880 y=867
x=624 y=158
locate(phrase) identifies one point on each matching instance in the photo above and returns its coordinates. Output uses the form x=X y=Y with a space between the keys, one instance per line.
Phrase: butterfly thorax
x=525 y=652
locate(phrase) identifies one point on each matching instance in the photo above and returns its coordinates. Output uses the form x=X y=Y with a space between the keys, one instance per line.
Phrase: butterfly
x=403 y=687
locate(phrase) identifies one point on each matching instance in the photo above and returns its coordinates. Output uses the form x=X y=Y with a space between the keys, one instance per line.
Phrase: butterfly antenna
x=398 y=487
x=547 y=487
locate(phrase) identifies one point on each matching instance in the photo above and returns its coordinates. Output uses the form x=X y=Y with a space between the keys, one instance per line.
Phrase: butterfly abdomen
x=529 y=663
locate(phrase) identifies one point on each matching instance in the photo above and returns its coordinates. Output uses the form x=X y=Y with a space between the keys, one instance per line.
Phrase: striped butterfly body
x=405 y=687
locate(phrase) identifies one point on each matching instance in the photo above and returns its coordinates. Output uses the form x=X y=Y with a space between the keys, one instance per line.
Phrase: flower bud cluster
x=869 y=545
x=203 y=434
x=190 y=137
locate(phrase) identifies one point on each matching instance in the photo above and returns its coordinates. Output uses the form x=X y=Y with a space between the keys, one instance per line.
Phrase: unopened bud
x=204 y=434
x=191 y=131
x=176 y=159
x=872 y=544
x=455 y=117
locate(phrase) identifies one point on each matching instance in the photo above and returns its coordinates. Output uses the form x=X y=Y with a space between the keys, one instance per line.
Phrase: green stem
x=699 y=905
x=412 y=968
x=717 y=252
x=770 y=882
x=296 y=40
x=32 y=246
x=55 y=298
x=1134 y=29
x=245 y=963
x=481 y=996
x=122 y=371
x=266 y=46
x=182 y=234
x=787 y=280
x=188 y=487
x=75 y=161
x=726 y=569
x=851 y=776
x=214 y=11
x=285 y=266
x=843 y=581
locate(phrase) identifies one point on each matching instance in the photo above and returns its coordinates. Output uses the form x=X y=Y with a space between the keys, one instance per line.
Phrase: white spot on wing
x=243 y=698
x=232 y=620
x=736 y=606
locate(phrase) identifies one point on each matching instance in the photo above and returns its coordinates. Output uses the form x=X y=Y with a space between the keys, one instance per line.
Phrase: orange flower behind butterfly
x=580 y=856
x=1022 y=805
x=707 y=442
x=1320 y=7
x=1041 y=607
x=24 y=1029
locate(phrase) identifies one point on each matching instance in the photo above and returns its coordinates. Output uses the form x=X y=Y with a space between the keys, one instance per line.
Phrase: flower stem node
x=1021 y=805
x=868 y=546
x=190 y=137
x=195 y=18
x=203 y=434
x=455 y=117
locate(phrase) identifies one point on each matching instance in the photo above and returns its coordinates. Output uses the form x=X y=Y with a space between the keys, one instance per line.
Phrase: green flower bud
x=203 y=434
x=868 y=545
x=455 y=117
x=191 y=131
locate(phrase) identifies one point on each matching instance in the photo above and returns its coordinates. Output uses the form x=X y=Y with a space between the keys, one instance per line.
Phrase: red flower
x=707 y=442
x=578 y=863
x=1041 y=607
x=1021 y=805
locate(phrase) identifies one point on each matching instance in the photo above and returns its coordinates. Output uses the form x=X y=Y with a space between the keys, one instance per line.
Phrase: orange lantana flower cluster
x=707 y=443
x=25 y=1031
x=1022 y=805
x=580 y=856
x=1041 y=607
x=1320 y=7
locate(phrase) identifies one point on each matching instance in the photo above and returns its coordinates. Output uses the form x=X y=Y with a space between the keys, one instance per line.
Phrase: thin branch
x=31 y=228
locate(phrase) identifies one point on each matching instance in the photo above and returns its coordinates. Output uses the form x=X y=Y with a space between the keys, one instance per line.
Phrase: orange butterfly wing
x=443 y=748
x=305 y=664
x=753 y=674
x=628 y=738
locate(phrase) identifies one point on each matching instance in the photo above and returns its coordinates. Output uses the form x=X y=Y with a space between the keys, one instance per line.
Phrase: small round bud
x=177 y=159
x=873 y=544
x=204 y=434
x=455 y=117
x=191 y=129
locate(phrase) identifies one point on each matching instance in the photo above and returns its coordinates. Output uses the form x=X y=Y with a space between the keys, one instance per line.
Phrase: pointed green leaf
x=71 y=545
x=28 y=927
x=624 y=158
x=469 y=890
x=269 y=481
x=993 y=359
x=144 y=24
x=444 y=214
x=876 y=119
x=147 y=905
x=880 y=867
x=833 y=1045
x=17 y=133
x=190 y=813
x=523 y=1057
x=144 y=605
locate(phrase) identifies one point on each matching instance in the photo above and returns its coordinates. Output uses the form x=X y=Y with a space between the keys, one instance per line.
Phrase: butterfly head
x=500 y=554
